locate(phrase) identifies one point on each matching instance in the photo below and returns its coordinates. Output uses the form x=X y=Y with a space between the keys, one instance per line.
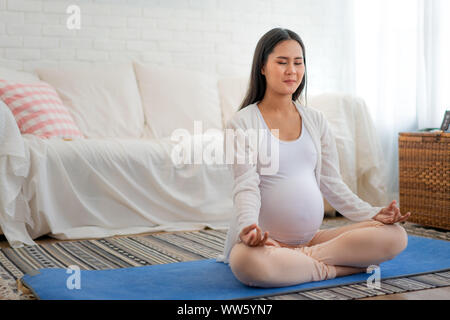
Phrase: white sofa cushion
x=232 y=91
x=174 y=98
x=103 y=99
x=17 y=76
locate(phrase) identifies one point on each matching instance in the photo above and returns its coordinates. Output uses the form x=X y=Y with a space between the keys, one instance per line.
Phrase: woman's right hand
x=253 y=238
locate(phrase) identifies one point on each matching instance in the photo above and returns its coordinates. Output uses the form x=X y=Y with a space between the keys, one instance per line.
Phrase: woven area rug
x=131 y=251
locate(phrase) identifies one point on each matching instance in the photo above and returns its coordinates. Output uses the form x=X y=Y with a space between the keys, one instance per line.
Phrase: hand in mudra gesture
x=253 y=238
x=391 y=214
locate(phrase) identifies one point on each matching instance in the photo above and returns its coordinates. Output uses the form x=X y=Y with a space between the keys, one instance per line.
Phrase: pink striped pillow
x=38 y=110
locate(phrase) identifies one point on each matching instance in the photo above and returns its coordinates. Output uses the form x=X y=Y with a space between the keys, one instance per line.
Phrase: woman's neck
x=277 y=104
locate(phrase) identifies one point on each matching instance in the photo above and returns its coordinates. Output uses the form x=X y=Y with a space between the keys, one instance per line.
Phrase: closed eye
x=297 y=64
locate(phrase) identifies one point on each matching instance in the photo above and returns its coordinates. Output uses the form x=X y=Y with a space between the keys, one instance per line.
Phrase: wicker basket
x=424 y=177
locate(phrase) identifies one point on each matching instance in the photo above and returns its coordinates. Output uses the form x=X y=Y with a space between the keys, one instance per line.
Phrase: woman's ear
x=262 y=70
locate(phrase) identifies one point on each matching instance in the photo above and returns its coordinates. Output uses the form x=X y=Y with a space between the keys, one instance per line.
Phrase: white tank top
x=292 y=206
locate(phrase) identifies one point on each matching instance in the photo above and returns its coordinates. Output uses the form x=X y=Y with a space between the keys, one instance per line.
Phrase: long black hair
x=257 y=84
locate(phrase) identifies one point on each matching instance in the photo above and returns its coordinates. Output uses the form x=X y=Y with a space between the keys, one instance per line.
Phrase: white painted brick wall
x=214 y=36
x=40 y=42
x=58 y=54
x=22 y=54
x=11 y=41
x=25 y=5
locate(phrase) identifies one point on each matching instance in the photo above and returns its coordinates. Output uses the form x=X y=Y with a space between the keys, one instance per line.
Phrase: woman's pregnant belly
x=291 y=208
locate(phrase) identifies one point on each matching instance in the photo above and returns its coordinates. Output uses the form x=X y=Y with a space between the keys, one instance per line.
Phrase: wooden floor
x=442 y=293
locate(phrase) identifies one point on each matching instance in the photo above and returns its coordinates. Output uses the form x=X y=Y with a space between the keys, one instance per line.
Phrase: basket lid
x=424 y=133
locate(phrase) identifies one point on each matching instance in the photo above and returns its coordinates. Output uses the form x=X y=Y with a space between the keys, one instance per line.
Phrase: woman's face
x=284 y=68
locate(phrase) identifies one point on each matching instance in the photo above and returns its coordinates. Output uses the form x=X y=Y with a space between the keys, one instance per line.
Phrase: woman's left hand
x=391 y=214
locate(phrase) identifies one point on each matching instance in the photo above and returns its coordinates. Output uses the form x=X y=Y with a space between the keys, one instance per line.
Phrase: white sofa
x=121 y=178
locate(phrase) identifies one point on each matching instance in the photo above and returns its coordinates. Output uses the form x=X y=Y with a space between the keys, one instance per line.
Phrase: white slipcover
x=97 y=188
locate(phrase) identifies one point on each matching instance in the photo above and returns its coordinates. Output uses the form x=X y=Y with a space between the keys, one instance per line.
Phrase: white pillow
x=174 y=98
x=103 y=99
x=232 y=92
x=17 y=76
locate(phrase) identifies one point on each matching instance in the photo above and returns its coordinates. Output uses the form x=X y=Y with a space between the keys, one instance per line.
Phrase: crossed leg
x=330 y=253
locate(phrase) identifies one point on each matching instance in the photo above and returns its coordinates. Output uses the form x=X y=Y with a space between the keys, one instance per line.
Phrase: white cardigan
x=246 y=193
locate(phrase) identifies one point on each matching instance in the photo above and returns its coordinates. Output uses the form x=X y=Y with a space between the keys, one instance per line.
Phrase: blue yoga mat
x=212 y=280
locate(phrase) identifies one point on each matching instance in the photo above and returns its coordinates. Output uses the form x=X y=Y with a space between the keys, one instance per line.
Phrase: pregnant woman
x=274 y=238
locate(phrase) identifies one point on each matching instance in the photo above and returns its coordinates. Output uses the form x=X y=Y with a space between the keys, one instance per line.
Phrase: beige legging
x=330 y=253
